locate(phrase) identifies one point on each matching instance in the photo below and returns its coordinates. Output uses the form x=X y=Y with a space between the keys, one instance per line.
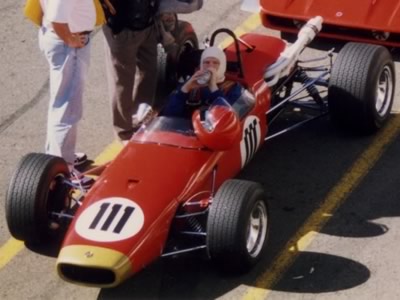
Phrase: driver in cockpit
x=206 y=85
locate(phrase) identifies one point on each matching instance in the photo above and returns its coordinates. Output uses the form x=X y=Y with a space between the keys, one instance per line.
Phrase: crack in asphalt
x=26 y=107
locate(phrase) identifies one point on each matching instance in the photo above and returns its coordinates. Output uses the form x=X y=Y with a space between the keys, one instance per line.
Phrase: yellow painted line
x=108 y=153
x=11 y=248
x=339 y=193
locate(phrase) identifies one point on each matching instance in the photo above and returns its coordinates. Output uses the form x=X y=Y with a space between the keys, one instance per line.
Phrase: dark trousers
x=124 y=52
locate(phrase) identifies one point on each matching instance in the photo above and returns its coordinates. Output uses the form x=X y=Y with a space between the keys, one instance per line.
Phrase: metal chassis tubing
x=291 y=100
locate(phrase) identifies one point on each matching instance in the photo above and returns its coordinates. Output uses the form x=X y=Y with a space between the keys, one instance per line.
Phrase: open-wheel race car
x=172 y=188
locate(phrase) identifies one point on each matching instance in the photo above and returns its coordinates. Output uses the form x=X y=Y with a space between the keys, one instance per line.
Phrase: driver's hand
x=192 y=82
x=212 y=84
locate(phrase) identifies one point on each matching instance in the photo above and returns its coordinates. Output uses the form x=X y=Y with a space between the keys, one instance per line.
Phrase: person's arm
x=58 y=12
x=216 y=94
x=192 y=83
x=176 y=103
x=109 y=6
x=231 y=95
x=72 y=40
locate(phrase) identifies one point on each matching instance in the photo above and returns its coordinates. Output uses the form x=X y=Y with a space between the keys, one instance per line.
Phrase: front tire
x=237 y=225
x=361 y=87
x=37 y=190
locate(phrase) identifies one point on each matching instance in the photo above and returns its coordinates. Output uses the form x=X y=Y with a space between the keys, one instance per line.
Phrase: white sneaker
x=143 y=114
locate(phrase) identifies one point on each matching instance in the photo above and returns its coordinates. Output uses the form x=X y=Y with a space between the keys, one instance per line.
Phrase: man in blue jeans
x=64 y=40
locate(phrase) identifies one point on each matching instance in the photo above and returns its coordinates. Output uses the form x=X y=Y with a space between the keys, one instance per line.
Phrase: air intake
x=87 y=275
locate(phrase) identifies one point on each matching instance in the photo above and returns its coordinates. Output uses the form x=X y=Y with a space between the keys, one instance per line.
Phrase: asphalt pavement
x=333 y=197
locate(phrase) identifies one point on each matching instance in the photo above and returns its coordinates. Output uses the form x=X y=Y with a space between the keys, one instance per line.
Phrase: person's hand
x=212 y=84
x=73 y=40
x=77 y=40
x=192 y=82
x=167 y=37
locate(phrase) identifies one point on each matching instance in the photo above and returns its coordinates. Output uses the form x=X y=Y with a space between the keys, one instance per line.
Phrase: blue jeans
x=68 y=72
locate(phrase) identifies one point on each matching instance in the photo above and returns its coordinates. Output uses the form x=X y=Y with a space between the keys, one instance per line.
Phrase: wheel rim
x=384 y=91
x=256 y=229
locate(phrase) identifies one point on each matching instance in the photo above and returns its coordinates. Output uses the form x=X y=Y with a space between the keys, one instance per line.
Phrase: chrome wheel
x=256 y=229
x=237 y=225
x=361 y=87
x=384 y=91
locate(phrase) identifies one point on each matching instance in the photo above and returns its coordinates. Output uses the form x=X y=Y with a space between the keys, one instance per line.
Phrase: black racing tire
x=36 y=189
x=361 y=87
x=184 y=32
x=238 y=212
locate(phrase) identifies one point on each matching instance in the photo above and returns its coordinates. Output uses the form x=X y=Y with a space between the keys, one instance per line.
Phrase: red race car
x=368 y=21
x=172 y=189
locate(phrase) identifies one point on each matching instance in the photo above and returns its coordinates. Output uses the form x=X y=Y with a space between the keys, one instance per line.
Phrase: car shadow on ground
x=297 y=170
x=50 y=248
x=376 y=197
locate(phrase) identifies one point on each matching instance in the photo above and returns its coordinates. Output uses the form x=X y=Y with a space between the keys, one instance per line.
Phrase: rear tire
x=237 y=225
x=361 y=87
x=36 y=190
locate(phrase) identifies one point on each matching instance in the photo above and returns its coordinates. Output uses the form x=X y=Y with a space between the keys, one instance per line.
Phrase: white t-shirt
x=80 y=15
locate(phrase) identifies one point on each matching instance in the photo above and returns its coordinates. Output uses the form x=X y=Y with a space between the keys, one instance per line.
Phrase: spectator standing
x=64 y=38
x=131 y=37
x=130 y=42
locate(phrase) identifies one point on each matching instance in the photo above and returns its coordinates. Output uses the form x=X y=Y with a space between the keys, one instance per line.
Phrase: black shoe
x=80 y=159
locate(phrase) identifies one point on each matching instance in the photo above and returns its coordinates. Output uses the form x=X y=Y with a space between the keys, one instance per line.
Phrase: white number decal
x=110 y=219
x=251 y=139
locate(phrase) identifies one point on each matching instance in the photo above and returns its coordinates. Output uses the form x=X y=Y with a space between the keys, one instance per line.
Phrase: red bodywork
x=160 y=175
x=361 y=21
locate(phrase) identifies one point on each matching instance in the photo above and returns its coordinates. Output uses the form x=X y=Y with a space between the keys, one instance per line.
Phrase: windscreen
x=168 y=131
